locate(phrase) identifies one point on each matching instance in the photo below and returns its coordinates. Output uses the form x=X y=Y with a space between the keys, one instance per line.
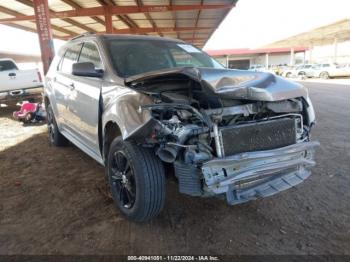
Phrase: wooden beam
x=29 y=29
x=157 y=30
x=148 y=16
x=120 y=10
x=173 y=14
x=152 y=30
x=108 y=21
x=76 y=6
x=124 y=18
x=68 y=20
x=18 y=14
x=197 y=19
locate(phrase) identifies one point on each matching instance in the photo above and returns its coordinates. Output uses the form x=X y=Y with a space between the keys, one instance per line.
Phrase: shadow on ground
x=53 y=201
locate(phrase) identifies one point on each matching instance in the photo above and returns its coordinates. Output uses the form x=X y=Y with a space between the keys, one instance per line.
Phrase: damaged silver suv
x=144 y=106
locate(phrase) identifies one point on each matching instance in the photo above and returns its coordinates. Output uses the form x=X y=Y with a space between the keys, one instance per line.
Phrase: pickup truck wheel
x=136 y=180
x=55 y=136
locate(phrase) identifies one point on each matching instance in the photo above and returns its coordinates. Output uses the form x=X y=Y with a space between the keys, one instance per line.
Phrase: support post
x=292 y=60
x=267 y=61
x=42 y=19
x=335 y=45
x=310 y=54
x=227 y=61
x=108 y=20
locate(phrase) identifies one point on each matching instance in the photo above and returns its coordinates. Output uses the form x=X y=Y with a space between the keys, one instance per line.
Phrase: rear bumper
x=248 y=176
x=20 y=94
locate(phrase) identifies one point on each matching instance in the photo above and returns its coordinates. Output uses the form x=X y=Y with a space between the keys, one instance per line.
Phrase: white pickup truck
x=16 y=85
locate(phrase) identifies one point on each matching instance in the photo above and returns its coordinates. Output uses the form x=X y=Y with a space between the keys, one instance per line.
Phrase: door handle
x=12 y=74
x=72 y=86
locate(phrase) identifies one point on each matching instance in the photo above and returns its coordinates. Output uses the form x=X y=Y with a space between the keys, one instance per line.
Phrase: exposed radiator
x=258 y=136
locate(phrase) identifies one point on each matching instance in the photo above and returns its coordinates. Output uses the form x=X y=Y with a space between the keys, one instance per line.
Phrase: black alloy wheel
x=136 y=180
x=123 y=180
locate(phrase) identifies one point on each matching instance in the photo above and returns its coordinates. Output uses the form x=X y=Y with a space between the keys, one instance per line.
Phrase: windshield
x=133 y=56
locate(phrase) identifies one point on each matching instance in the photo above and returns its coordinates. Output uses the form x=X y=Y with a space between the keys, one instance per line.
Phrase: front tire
x=136 y=180
x=55 y=136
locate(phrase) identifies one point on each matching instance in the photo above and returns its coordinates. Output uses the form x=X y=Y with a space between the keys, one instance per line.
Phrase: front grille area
x=258 y=136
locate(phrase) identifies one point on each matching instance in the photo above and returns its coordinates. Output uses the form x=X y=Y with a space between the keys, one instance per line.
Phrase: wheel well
x=323 y=72
x=46 y=101
x=111 y=131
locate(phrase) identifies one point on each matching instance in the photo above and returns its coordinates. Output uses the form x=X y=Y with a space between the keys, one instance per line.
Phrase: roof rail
x=81 y=35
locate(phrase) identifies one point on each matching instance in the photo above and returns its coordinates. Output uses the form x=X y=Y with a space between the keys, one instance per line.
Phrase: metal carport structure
x=193 y=21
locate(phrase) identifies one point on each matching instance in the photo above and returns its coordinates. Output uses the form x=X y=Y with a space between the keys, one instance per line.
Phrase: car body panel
x=84 y=107
x=236 y=84
x=15 y=79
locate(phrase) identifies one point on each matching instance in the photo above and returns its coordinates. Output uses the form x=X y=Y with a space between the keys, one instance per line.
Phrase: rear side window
x=70 y=57
x=90 y=53
x=7 y=65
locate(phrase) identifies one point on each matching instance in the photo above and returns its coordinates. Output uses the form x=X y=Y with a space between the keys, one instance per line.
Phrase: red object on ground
x=26 y=108
x=18 y=183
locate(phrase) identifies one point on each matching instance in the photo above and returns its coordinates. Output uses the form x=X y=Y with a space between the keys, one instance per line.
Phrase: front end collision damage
x=168 y=110
x=252 y=175
x=121 y=106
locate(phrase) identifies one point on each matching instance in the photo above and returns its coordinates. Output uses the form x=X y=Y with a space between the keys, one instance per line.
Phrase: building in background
x=326 y=44
x=245 y=58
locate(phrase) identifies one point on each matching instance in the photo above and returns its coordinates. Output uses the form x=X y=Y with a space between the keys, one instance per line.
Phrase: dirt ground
x=52 y=201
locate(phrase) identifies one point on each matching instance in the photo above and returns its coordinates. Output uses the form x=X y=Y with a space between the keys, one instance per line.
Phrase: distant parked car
x=18 y=84
x=300 y=70
x=280 y=69
x=326 y=71
x=256 y=68
x=260 y=68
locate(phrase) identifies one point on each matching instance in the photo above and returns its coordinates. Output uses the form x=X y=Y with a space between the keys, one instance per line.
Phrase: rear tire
x=324 y=75
x=136 y=180
x=55 y=136
x=288 y=75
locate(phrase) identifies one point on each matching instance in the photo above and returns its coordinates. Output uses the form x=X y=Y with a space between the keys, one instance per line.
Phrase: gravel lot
x=53 y=201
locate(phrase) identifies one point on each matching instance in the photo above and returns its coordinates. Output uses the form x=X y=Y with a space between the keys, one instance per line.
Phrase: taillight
x=39 y=76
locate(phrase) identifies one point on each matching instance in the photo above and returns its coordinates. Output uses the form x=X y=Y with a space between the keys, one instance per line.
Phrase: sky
x=20 y=41
x=252 y=23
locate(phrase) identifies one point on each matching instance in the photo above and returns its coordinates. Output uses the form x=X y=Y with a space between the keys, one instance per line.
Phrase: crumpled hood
x=229 y=83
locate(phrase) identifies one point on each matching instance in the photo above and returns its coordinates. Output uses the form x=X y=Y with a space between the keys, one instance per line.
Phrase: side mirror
x=86 y=69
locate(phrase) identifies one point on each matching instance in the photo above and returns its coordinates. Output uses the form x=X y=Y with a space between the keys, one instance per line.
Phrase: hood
x=229 y=83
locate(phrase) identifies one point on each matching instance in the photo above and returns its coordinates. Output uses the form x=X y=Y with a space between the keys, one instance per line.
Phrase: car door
x=62 y=85
x=347 y=70
x=344 y=70
x=84 y=98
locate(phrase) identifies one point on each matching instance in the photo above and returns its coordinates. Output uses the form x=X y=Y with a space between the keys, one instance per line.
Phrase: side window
x=6 y=65
x=70 y=57
x=90 y=53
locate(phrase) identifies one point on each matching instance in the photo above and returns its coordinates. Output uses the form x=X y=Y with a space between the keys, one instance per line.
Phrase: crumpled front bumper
x=252 y=175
